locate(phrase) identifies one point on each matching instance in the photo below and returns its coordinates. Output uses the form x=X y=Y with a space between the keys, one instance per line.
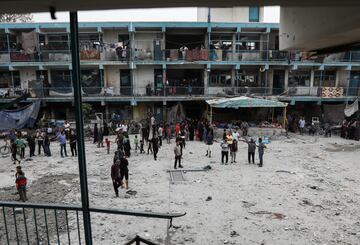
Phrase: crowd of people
x=350 y=130
x=152 y=135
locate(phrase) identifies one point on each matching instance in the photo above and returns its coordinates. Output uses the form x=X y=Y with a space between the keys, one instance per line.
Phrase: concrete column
x=270 y=83
x=164 y=81
x=206 y=81
x=233 y=47
x=207 y=40
x=337 y=80
x=233 y=74
x=312 y=73
x=286 y=79
x=132 y=45
x=107 y=112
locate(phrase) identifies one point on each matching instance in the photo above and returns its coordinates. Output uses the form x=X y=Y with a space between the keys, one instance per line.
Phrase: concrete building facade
x=130 y=68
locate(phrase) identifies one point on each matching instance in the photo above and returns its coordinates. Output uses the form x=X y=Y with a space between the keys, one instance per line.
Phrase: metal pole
x=79 y=125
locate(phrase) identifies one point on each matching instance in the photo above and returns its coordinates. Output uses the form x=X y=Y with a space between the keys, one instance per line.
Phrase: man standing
x=62 y=139
x=31 y=142
x=302 y=125
x=160 y=135
x=261 y=147
x=115 y=176
x=73 y=140
x=177 y=151
x=251 y=150
x=40 y=140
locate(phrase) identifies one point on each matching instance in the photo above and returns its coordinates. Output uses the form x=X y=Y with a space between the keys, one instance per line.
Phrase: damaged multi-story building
x=130 y=68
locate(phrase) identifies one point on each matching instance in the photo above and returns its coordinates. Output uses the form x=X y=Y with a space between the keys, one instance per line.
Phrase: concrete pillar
x=270 y=83
x=132 y=45
x=233 y=74
x=206 y=41
x=206 y=81
x=164 y=81
x=233 y=55
x=286 y=79
x=107 y=112
x=337 y=80
x=312 y=74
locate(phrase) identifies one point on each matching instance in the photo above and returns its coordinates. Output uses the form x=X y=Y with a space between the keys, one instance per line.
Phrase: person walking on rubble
x=261 y=146
x=302 y=125
x=251 y=150
x=115 y=176
x=209 y=142
x=224 y=151
x=177 y=152
x=21 y=182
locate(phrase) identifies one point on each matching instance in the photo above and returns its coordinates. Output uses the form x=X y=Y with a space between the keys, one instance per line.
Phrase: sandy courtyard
x=308 y=192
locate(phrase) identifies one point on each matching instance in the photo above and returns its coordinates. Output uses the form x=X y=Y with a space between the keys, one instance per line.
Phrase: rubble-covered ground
x=308 y=192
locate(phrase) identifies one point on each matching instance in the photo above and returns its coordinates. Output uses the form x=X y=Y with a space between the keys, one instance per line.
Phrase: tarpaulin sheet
x=245 y=102
x=351 y=108
x=21 y=118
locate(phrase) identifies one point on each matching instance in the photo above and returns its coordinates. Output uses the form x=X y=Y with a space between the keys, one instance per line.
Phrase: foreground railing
x=28 y=223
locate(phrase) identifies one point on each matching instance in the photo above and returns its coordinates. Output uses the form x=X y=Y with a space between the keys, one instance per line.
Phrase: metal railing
x=29 y=223
x=174 y=55
x=168 y=91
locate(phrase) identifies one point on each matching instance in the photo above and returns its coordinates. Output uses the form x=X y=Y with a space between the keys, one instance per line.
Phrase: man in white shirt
x=160 y=135
x=302 y=125
x=235 y=135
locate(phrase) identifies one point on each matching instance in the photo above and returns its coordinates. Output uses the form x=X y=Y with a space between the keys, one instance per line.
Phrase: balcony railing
x=176 y=55
x=173 y=91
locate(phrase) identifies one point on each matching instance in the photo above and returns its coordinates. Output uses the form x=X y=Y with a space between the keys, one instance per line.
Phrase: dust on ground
x=306 y=193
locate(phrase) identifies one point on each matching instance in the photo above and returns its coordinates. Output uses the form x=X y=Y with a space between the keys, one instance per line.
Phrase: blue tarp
x=245 y=102
x=21 y=118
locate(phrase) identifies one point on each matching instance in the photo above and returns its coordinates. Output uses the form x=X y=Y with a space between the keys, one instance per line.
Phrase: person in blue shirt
x=62 y=140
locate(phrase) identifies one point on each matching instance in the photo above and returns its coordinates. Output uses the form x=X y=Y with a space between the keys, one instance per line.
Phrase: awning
x=244 y=102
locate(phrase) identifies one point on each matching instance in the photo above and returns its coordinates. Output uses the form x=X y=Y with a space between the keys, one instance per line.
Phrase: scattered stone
x=209 y=198
x=234 y=234
x=226 y=241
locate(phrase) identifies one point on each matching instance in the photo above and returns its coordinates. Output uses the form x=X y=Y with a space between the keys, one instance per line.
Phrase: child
x=177 y=151
x=168 y=134
x=209 y=142
x=21 y=182
x=233 y=150
x=142 y=147
x=136 y=143
x=224 y=151
x=107 y=142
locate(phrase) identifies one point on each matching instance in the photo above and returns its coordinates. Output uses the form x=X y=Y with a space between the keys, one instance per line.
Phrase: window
x=247 y=78
x=254 y=14
x=91 y=81
x=299 y=78
x=5 y=79
x=61 y=78
x=55 y=42
x=325 y=78
x=220 y=78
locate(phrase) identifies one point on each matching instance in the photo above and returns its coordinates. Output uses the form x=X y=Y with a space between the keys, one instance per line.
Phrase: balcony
x=176 y=55
x=181 y=91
